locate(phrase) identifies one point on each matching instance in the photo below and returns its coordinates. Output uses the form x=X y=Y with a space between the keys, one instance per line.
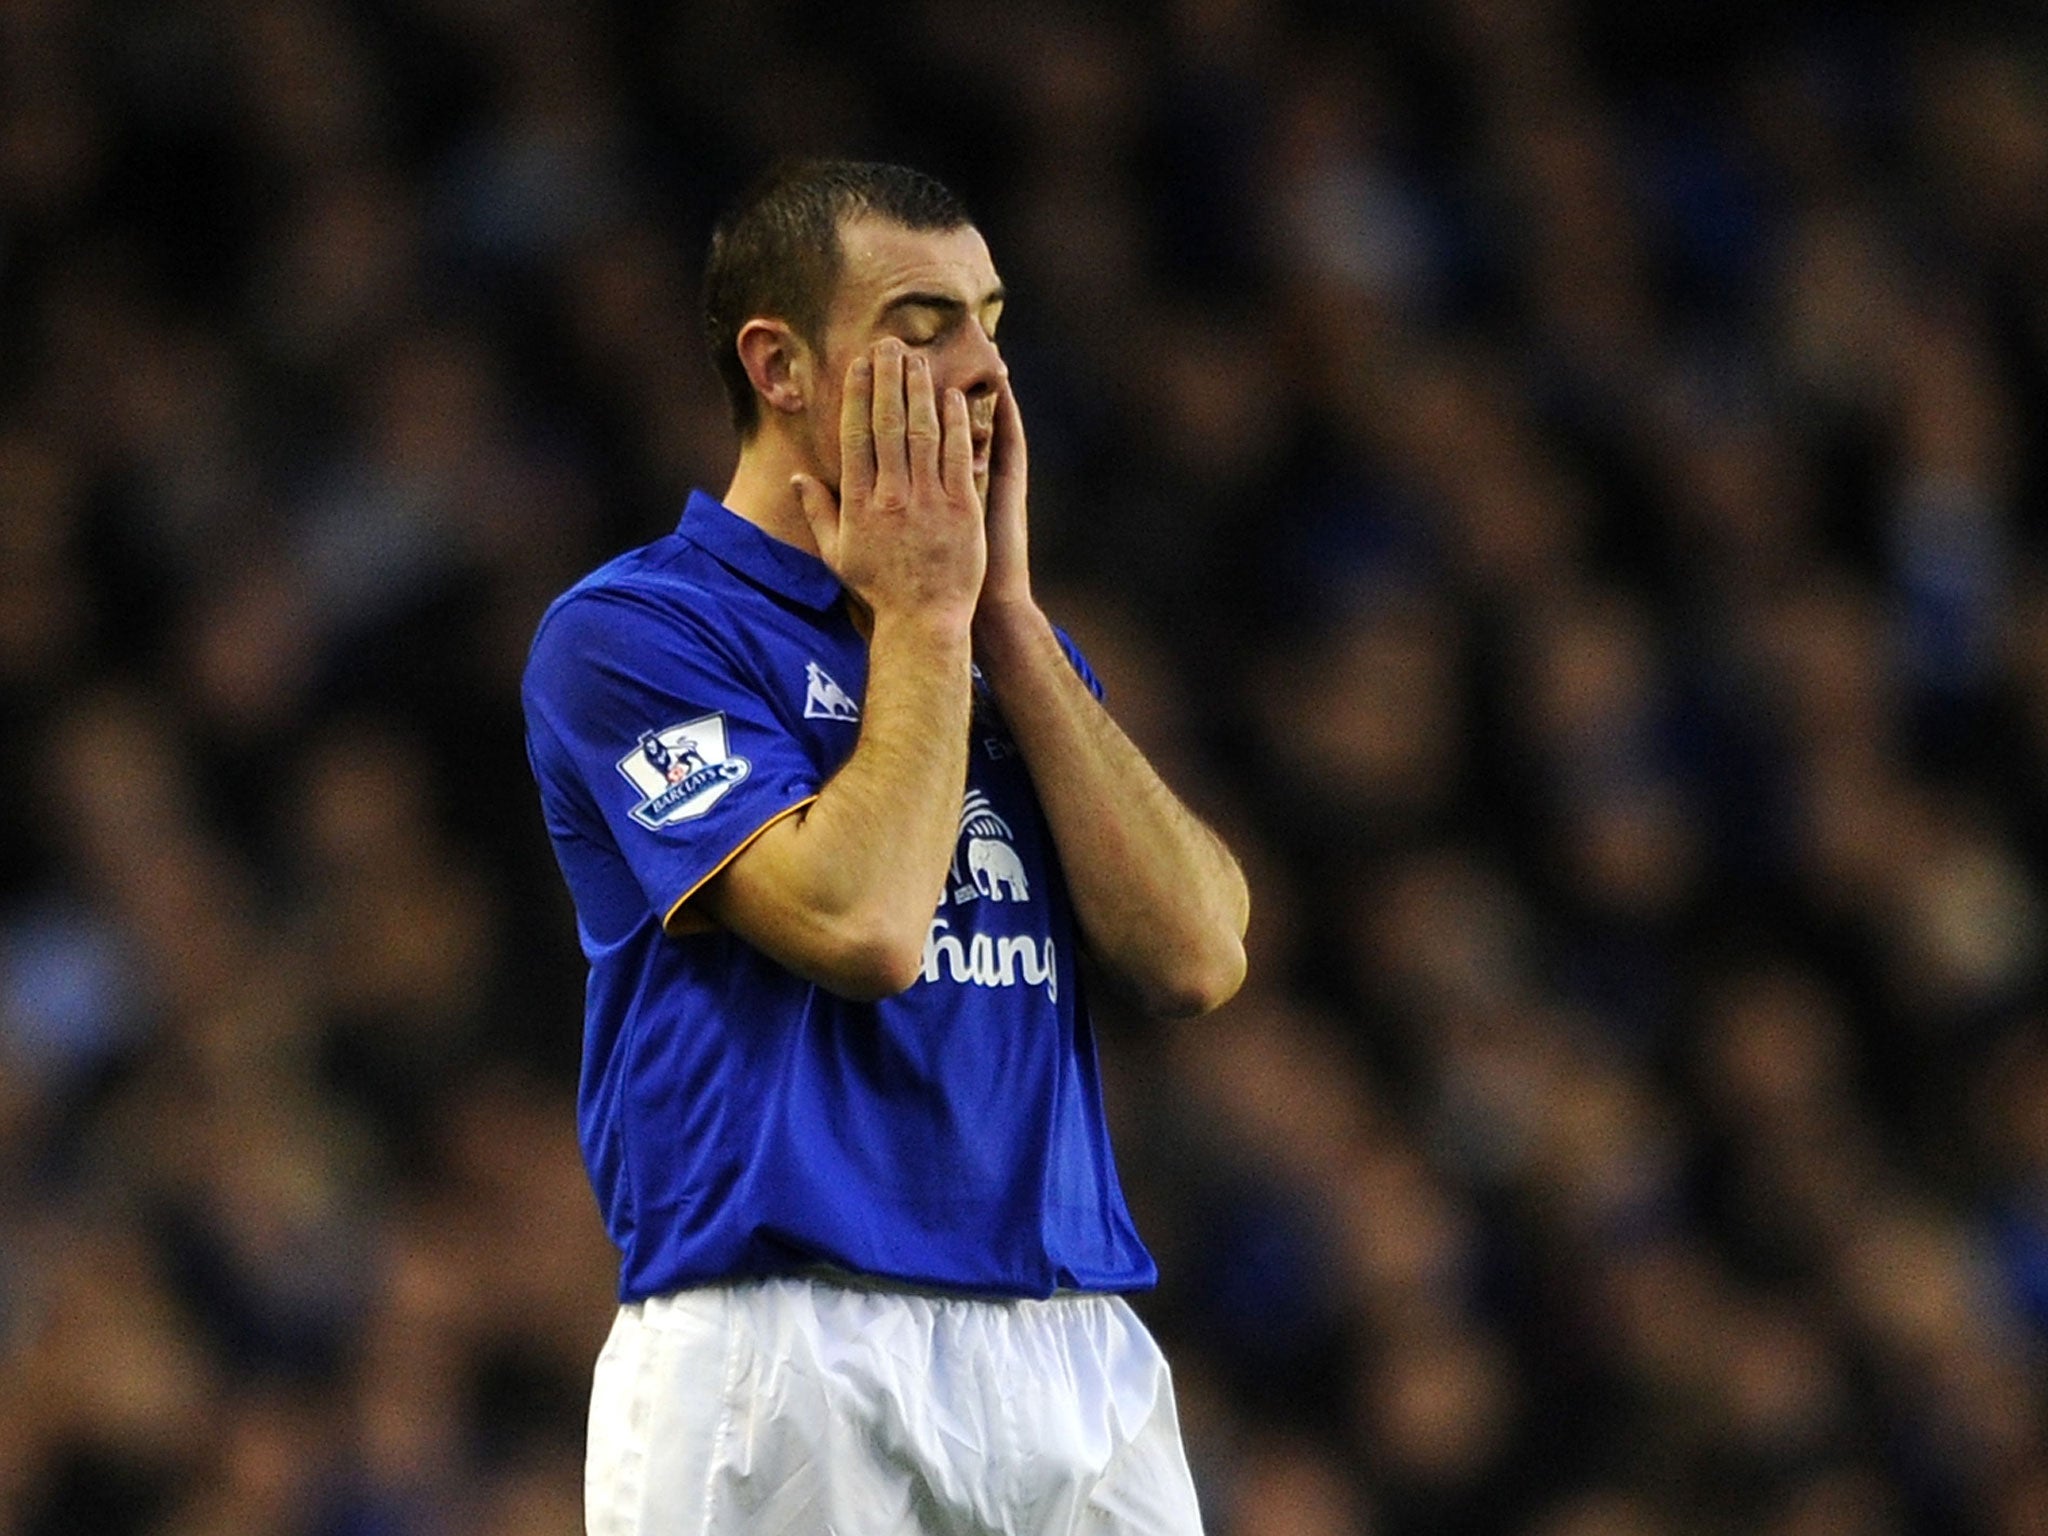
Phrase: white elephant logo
x=998 y=872
x=993 y=868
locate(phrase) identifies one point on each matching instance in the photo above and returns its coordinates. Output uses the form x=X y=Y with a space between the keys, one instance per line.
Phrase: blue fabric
x=736 y=1119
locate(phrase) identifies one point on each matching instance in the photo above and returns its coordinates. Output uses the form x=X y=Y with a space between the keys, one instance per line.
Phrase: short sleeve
x=1079 y=662
x=648 y=735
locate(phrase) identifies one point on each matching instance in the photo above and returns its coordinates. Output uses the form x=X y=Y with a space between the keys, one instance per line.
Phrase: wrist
x=927 y=628
x=1009 y=630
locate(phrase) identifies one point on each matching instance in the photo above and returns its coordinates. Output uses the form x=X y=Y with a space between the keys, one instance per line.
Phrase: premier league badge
x=681 y=771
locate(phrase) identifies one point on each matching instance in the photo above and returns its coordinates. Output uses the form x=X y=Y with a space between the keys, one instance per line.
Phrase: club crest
x=681 y=771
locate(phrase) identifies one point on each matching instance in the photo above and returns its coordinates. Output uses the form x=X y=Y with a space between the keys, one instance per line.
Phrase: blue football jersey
x=736 y=1119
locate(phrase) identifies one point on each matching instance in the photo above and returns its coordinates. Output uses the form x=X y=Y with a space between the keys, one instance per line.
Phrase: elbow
x=1200 y=984
x=870 y=965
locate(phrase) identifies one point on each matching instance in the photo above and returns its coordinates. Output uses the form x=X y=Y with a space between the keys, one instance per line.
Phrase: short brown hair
x=776 y=252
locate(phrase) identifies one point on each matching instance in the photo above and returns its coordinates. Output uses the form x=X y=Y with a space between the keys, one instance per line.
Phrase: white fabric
x=812 y=1407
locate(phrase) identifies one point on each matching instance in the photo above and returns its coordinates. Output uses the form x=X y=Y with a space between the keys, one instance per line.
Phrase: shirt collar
x=757 y=555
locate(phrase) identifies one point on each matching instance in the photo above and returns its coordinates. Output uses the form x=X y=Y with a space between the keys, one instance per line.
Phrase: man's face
x=936 y=291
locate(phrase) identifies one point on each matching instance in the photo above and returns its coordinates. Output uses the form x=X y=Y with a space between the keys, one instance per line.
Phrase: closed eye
x=921 y=319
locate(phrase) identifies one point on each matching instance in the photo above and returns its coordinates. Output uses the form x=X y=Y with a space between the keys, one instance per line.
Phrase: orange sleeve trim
x=677 y=921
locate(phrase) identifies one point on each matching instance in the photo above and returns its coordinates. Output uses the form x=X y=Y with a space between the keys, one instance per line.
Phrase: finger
x=921 y=419
x=1007 y=457
x=856 y=434
x=892 y=466
x=957 y=472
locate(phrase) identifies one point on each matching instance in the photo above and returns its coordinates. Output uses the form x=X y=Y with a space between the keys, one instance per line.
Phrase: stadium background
x=1560 y=483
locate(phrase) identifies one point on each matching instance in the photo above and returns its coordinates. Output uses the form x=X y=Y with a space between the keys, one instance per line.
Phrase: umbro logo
x=824 y=699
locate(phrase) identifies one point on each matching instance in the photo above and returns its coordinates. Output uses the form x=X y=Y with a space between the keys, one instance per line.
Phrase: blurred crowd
x=1551 y=479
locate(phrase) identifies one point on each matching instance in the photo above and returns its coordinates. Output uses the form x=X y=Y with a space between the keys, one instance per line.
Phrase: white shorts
x=804 y=1406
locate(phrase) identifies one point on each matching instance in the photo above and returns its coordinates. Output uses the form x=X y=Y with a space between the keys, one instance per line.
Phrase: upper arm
x=768 y=894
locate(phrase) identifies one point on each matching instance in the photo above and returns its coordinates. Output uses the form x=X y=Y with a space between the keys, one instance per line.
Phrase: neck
x=761 y=493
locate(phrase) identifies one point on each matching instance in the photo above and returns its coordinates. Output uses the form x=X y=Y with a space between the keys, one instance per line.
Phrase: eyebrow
x=945 y=303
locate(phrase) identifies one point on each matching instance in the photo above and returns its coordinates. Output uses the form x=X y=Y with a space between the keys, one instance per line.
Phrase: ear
x=777 y=362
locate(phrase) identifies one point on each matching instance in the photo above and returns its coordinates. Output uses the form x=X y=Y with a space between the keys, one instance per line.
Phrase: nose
x=982 y=367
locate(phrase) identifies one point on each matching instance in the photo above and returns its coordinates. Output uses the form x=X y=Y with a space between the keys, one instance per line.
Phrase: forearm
x=1160 y=900
x=843 y=892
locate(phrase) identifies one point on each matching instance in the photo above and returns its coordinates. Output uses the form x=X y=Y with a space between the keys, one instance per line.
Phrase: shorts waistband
x=887 y=1285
